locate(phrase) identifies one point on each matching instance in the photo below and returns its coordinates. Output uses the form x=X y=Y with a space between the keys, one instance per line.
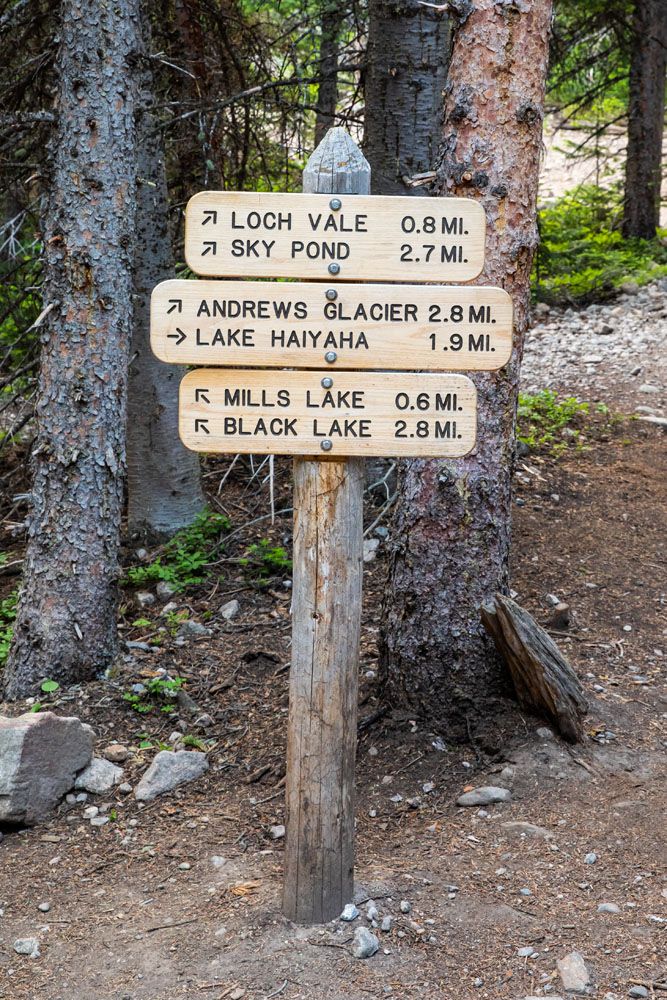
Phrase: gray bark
x=163 y=482
x=407 y=58
x=66 y=624
x=331 y=23
x=646 y=119
x=451 y=530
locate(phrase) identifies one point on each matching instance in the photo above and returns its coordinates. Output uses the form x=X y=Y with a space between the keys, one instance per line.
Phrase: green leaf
x=48 y=687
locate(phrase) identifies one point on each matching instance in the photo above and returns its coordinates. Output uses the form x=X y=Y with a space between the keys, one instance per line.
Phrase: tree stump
x=543 y=679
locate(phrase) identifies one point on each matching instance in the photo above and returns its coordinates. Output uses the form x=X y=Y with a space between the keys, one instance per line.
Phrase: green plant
x=543 y=417
x=264 y=560
x=175 y=619
x=184 y=559
x=195 y=741
x=582 y=254
x=142 y=623
x=158 y=692
x=7 y=616
x=49 y=686
x=146 y=742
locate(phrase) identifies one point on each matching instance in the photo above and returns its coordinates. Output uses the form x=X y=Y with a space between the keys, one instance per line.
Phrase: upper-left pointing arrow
x=175 y=304
x=210 y=215
x=201 y=425
x=179 y=336
x=200 y=395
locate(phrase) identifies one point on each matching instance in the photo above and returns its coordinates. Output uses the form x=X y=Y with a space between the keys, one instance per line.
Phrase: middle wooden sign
x=308 y=325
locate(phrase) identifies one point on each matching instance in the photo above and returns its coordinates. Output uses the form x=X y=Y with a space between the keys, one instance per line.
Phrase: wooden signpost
x=368 y=239
x=293 y=324
x=329 y=416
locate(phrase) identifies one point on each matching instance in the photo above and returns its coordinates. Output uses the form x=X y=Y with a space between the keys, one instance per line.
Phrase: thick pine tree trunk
x=331 y=23
x=407 y=57
x=646 y=119
x=66 y=624
x=164 y=488
x=451 y=532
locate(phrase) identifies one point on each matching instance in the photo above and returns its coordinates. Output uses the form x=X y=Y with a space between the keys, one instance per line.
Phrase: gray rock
x=365 y=944
x=99 y=821
x=590 y=858
x=638 y=991
x=350 y=912
x=574 y=973
x=629 y=288
x=544 y=732
x=387 y=924
x=44 y=907
x=164 y=589
x=484 y=796
x=99 y=777
x=230 y=610
x=525 y=892
x=27 y=946
x=608 y=908
x=193 y=630
x=144 y=598
x=116 y=753
x=372 y=912
x=518 y=828
x=90 y=812
x=405 y=906
x=648 y=389
x=125 y=788
x=370 y=549
x=168 y=770
x=525 y=952
x=277 y=832
x=40 y=755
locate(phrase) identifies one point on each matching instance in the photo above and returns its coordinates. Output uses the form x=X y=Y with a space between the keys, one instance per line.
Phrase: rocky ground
x=555 y=883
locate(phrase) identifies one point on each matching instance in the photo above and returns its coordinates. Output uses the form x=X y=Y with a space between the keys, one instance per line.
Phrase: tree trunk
x=331 y=24
x=408 y=53
x=451 y=531
x=164 y=489
x=646 y=119
x=66 y=624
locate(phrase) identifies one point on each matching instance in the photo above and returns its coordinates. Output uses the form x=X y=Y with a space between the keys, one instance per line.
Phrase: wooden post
x=326 y=609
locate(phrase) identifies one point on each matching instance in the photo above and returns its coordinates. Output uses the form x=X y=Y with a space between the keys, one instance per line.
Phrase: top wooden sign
x=338 y=237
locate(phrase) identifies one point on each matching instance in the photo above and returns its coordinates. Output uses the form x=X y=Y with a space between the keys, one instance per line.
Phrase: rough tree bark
x=646 y=119
x=163 y=482
x=66 y=624
x=406 y=71
x=331 y=24
x=451 y=531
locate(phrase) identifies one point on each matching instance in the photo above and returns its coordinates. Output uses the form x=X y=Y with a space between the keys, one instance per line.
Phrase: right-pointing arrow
x=201 y=425
x=200 y=396
x=179 y=336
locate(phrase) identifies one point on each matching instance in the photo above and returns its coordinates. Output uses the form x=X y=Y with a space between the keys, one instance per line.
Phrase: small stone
x=193 y=630
x=90 y=812
x=70 y=799
x=277 y=832
x=372 y=912
x=519 y=828
x=99 y=777
x=574 y=973
x=478 y=982
x=144 y=598
x=428 y=786
x=525 y=952
x=237 y=994
x=638 y=991
x=365 y=944
x=184 y=866
x=164 y=589
x=544 y=732
x=27 y=946
x=169 y=769
x=629 y=288
x=44 y=907
x=205 y=721
x=648 y=389
x=370 y=550
x=484 y=796
x=525 y=892
x=350 y=912
x=125 y=788
x=405 y=906
x=116 y=753
x=605 y=330
x=230 y=610
x=99 y=821
x=608 y=908
x=387 y=924
x=590 y=858
x=168 y=609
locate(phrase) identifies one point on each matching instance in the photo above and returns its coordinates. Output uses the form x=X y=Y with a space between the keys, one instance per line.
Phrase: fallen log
x=543 y=679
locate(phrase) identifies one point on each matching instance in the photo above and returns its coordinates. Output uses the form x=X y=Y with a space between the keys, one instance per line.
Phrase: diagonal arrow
x=211 y=247
x=175 y=304
x=210 y=215
x=200 y=395
x=179 y=336
x=201 y=424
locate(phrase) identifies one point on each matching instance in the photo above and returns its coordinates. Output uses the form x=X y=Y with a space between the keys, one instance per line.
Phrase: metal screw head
x=331 y=294
x=335 y=204
x=326 y=445
x=334 y=268
x=330 y=357
x=326 y=382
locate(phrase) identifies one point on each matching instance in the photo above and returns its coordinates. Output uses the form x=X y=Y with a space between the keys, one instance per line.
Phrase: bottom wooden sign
x=327 y=413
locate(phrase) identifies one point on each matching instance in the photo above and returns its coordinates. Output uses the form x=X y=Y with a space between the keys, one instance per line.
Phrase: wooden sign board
x=321 y=413
x=298 y=325
x=349 y=238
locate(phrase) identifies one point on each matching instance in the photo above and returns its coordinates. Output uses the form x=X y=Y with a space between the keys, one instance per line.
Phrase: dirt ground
x=181 y=898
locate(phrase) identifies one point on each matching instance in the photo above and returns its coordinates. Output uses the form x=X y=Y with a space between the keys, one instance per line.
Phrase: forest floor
x=181 y=898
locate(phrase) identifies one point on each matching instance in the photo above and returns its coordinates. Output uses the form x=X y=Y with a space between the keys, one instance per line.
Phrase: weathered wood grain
x=543 y=679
